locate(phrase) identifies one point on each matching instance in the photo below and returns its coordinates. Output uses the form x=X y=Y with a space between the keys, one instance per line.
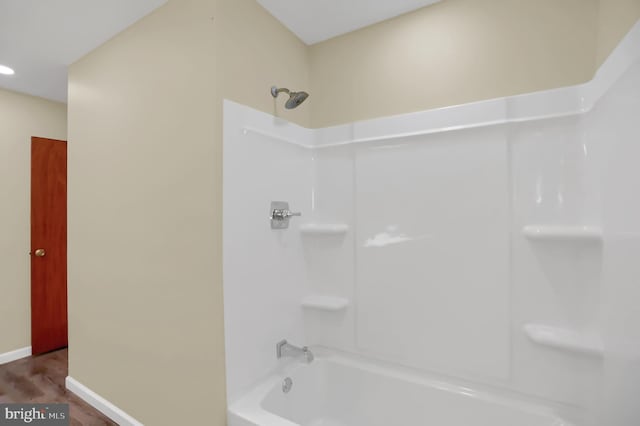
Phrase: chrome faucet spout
x=285 y=349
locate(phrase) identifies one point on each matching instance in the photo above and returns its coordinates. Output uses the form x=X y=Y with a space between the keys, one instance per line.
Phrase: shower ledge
x=325 y=303
x=588 y=344
x=324 y=228
x=578 y=234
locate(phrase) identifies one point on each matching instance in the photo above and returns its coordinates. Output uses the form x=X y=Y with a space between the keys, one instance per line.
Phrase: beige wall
x=461 y=51
x=145 y=182
x=454 y=52
x=145 y=317
x=615 y=19
x=21 y=117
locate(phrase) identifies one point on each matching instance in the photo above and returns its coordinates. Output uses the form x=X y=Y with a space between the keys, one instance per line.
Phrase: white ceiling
x=318 y=20
x=40 y=38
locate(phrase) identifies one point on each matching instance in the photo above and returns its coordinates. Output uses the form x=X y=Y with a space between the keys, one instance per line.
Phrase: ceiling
x=40 y=38
x=318 y=20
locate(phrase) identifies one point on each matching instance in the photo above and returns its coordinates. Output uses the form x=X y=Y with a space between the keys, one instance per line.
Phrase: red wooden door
x=48 y=245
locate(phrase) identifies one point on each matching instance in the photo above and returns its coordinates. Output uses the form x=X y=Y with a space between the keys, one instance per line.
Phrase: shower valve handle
x=282 y=214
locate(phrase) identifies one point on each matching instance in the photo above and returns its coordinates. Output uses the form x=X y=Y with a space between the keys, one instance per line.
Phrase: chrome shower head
x=295 y=98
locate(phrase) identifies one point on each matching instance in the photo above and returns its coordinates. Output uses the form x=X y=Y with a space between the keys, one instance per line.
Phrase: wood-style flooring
x=40 y=380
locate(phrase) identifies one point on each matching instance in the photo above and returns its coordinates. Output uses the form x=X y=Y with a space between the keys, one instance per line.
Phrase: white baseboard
x=15 y=355
x=100 y=404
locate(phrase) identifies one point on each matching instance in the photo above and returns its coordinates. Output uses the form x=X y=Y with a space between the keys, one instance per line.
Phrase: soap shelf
x=325 y=303
x=577 y=234
x=324 y=228
x=565 y=339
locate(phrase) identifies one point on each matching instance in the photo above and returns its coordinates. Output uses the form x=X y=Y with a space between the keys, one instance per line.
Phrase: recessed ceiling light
x=6 y=70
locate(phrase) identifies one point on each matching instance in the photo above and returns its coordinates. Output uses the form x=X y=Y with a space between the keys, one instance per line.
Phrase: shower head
x=295 y=98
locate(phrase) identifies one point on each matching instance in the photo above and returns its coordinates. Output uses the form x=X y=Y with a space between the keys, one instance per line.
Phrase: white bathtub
x=340 y=391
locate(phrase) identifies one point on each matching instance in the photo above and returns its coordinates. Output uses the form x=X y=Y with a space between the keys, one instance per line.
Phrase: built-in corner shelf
x=565 y=339
x=325 y=303
x=324 y=229
x=578 y=234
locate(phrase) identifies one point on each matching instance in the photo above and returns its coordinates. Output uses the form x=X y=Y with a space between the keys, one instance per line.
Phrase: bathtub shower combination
x=469 y=266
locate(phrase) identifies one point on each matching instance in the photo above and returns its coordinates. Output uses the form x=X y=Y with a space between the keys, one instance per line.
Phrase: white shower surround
x=268 y=275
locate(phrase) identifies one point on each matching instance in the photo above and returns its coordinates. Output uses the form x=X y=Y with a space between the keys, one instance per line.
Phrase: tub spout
x=285 y=349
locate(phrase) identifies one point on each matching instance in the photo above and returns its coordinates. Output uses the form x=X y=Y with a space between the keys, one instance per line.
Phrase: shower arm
x=275 y=91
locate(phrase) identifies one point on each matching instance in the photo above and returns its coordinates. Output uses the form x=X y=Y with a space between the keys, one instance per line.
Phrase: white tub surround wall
x=617 y=128
x=432 y=248
x=264 y=270
x=463 y=242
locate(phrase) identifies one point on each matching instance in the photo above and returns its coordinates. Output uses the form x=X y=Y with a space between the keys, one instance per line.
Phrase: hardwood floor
x=40 y=380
